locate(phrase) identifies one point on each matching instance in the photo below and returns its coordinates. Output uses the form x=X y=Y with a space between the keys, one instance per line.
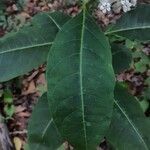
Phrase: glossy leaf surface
x=28 y=48
x=129 y=128
x=122 y=57
x=42 y=132
x=133 y=25
x=78 y=70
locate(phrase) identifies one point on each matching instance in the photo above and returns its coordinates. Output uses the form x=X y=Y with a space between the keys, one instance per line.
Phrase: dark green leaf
x=2 y=4
x=27 y=49
x=129 y=129
x=146 y=92
x=122 y=57
x=134 y=24
x=9 y=110
x=80 y=95
x=8 y=97
x=42 y=132
x=143 y=63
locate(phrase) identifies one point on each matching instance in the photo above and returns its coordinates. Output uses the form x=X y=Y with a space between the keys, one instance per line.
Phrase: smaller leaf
x=42 y=132
x=122 y=57
x=22 y=51
x=140 y=66
x=8 y=97
x=129 y=44
x=134 y=24
x=129 y=129
x=144 y=105
x=9 y=110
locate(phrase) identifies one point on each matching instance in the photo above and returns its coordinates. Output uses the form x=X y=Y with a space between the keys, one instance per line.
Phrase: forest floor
x=26 y=89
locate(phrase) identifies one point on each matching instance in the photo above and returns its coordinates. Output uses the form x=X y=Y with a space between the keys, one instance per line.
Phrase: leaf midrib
x=44 y=131
x=81 y=76
x=57 y=25
x=132 y=124
x=26 y=47
x=127 y=29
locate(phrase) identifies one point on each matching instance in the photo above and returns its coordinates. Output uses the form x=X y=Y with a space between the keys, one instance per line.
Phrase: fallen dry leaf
x=17 y=143
x=24 y=114
x=31 y=89
x=19 y=109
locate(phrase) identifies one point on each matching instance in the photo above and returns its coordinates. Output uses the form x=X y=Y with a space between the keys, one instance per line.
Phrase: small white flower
x=104 y=6
x=126 y=5
x=133 y=2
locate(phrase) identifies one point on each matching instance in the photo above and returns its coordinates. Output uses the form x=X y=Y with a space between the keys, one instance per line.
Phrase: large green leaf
x=129 y=129
x=122 y=57
x=42 y=132
x=134 y=24
x=22 y=51
x=2 y=4
x=81 y=82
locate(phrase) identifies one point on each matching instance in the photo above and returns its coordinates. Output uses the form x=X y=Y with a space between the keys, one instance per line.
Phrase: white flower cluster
x=106 y=5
